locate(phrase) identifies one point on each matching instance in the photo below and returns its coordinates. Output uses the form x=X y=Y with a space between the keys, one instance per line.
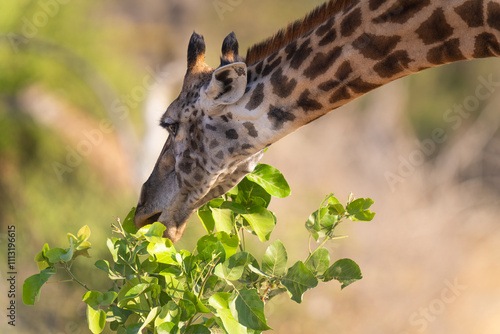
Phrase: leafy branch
x=219 y=286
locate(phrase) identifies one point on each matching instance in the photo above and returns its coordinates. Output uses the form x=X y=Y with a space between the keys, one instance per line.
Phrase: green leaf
x=223 y=219
x=364 y=216
x=96 y=319
x=262 y=222
x=232 y=269
x=81 y=252
x=33 y=284
x=230 y=242
x=68 y=253
x=336 y=209
x=151 y=315
x=155 y=232
x=134 y=328
x=319 y=261
x=93 y=298
x=83 y=234
x=275 y=259
x=298 y=280
x=188 y=309
x=220 y=301
x=128 y=223
x=327 y=224
x=313 y=222
x=247 y=308
x=104 y=266
x=257 y=271
x=108 y=298
x=163 y=252
x=165 y=328
x=173 y=287
x=124 y=296
x=197 y=329
x=165 y=315
x=120 y=315
x=110 y=243
x=149 y=266
x=196 y=302
x=216 y=202
x=271 y=180
x=209 y=246
x=233 y=206
x=346 y=271
x=54 y=254
x=42 y=261
x=359 y=209
x=250 y=194
x=332 y=200
x=206 y=217
x=174 y=312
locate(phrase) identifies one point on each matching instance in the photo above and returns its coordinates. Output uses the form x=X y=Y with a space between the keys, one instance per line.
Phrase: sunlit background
x=83 y=84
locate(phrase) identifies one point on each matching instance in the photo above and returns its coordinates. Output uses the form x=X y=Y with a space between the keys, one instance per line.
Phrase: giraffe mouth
x=151 y=219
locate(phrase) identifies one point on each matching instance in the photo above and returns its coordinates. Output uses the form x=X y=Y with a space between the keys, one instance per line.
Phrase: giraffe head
x=205 y=154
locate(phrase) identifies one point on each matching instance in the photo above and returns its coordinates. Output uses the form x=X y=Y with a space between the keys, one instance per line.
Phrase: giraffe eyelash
x=171 y=127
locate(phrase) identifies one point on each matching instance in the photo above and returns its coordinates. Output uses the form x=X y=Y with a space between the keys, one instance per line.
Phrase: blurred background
x=83 y=84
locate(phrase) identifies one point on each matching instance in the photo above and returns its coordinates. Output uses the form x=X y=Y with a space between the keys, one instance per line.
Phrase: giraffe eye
x=170 y=127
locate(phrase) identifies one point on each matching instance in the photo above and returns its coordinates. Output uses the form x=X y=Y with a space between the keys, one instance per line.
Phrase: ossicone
x=196 y=52
x=230 y=50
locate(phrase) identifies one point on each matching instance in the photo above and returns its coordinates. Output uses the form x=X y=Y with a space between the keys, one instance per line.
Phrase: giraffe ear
x=228 y=84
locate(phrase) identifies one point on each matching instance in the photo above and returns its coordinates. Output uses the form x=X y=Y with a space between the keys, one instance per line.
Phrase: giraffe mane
x=294 y=30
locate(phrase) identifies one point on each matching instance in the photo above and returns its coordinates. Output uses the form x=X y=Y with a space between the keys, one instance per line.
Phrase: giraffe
x=224 y=118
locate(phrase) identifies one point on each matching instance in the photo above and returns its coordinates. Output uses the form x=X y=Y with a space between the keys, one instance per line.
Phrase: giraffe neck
x=366 y=45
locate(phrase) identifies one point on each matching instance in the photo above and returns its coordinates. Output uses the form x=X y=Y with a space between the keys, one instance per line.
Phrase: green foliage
x=217 y=287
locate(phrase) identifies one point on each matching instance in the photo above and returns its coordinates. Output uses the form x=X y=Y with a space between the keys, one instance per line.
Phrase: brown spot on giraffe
x=213 y=144
x=282 y=85
x=494 y=15
x=375 y=4
x=402 y=11
x=360 y=86
x=306 y=103
x=435 y=28
x=259 y=66
x=232 y=134
x=300 y=54
x=393 y=64
x=270 y=67
x=278 y=117
x=328 y=38
x=375 y=47
x=290 y=50
x=471 y=12
x=350 y=23
x=252 y=131
x=321 y=62
x=329 y=85
x=325 y=27
x=342 y=74
x=210 y=127
x=445 y=53
x=256 y=98
x=185 y=167
x=340 y=94
x=486 y=45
